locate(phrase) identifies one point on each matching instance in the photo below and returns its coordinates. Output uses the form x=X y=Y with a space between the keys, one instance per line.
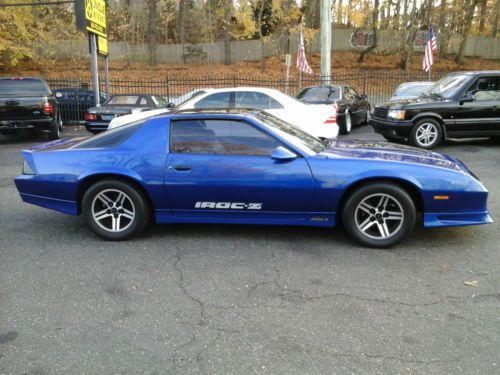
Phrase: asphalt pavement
x=214 y=299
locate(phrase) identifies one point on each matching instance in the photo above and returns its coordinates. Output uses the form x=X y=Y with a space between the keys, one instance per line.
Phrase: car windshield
x=447 y=86
x=412 y=90
x=122 y=99
x=23 y=86
x=301 y=139
x=319 y=94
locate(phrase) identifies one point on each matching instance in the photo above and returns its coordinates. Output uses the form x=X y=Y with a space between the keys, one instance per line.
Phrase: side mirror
x=467 y=98
x=363 y=97
x=170 y=105
x=283 y=154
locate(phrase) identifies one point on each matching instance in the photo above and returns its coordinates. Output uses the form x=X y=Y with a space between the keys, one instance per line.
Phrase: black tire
x=116 y=217
x=435 y=133
x=55 y=129
x=345 y=123
x=358 y=222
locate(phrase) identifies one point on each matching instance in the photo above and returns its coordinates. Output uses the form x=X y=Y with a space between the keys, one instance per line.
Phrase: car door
x=479 y=113
x=223 y=169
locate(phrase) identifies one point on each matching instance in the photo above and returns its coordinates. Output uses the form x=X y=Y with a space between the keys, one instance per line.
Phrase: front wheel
x=115 y=210
x=426 y=133
x=379 y=215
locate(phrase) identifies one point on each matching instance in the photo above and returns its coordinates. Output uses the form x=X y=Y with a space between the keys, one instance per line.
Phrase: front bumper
x=436 y=220
x=393 y=128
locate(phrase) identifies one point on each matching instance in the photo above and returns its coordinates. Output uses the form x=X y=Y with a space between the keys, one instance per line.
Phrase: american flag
x=302 y=64
x=430 y=47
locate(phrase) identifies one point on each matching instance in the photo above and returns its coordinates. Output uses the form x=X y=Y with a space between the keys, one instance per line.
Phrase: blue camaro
x=248 y=167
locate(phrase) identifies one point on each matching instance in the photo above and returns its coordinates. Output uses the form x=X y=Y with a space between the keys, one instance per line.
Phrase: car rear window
x=123 y=99
x=23 y=86
x=111 y=138
x=315 y=94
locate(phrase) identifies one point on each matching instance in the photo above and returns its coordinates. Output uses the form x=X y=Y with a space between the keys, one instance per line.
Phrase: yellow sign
x=95 y=14
x=102 y=46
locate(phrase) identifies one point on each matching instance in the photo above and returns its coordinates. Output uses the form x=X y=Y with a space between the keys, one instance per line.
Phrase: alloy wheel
x=379 y=216
x=113 y=210
x=427 y=134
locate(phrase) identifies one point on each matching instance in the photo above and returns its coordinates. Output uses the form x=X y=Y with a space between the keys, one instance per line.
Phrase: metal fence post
x=168 y=88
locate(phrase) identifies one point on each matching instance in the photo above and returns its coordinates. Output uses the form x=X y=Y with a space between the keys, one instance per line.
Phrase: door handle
x=182 y=167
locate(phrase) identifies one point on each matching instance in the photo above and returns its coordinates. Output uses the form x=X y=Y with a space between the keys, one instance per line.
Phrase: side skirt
x=313 y=219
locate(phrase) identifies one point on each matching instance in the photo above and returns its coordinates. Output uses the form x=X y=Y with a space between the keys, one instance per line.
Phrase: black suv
x=460 y=105
x=26 y=103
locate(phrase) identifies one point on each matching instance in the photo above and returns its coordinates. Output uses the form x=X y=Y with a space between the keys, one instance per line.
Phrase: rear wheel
x=379 y=215
x=55 y=129
x=346 y=124
x=115 y=210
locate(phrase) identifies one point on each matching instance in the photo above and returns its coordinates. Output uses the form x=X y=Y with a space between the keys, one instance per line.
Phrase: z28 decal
x=229 y=205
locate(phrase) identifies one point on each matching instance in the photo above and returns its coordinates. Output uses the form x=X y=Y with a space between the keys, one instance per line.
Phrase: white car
x=319 y=120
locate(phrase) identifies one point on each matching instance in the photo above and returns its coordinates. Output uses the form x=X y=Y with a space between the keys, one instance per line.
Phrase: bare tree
x=496 y=19
x=182 y=20
x=482 y=15
x=374 y=30
x=443 y=30
x=228 y=5
x=466 y=30
x=152 y=40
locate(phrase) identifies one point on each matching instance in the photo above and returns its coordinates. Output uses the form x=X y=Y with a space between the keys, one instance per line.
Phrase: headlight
x=396 y=114
x=27 y=169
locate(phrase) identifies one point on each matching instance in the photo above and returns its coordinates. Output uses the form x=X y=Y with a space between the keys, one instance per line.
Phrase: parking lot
x=212 y=299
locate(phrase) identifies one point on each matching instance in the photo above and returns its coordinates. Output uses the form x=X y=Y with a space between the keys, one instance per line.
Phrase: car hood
x=373 y=150
x=405 y=102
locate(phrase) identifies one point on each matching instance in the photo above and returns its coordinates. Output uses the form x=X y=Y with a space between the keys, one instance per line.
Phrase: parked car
x=97 y=118
x=353 y=109
x=460 y=105
x=74 y=102
x=248 y=167
x=26 y=103
x=411 y=90
x=318 y=120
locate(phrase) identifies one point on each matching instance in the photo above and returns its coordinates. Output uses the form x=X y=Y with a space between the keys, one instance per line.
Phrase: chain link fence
x=377 y=85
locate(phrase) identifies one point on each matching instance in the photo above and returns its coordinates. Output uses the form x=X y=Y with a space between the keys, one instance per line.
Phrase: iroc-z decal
x=229 y=205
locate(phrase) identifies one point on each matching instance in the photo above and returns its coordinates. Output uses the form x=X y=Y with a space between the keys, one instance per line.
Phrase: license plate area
x=108 y=117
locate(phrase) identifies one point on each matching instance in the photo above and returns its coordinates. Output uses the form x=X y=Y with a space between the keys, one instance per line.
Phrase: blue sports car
x=248 y=167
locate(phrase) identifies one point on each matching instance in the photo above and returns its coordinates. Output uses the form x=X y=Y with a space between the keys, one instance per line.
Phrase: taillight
x=48 y=108
x=90 y=116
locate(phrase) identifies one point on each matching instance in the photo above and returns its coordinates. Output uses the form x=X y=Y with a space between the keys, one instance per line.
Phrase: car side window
x=220 y=99
x=252 y=99
x=222 y=137
x=353 y=92
x=143 y=101
x=485 y=89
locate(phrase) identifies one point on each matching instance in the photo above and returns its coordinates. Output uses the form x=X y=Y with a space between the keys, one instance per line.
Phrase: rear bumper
x=399 y=129
x=97 y=126
x=35 y=124
x=436 y=220
x=67 y=207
